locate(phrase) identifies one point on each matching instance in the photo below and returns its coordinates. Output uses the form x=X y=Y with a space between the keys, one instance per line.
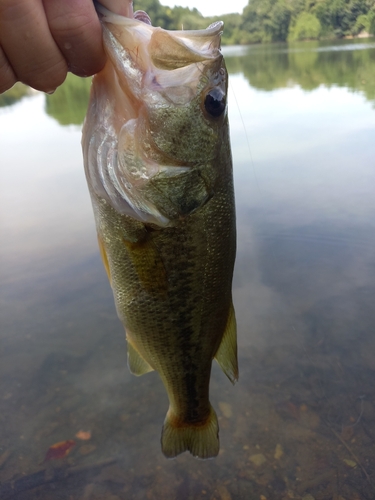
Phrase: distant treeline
x=274 y=20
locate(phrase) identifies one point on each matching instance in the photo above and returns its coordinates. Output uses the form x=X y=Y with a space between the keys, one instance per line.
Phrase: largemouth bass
x=158 y=166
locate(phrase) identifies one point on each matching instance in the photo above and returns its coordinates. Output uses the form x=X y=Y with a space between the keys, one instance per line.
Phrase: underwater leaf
x=59 y=450
x=83 y=435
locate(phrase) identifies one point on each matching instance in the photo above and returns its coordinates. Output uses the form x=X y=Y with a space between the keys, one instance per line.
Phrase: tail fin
x=202 y=440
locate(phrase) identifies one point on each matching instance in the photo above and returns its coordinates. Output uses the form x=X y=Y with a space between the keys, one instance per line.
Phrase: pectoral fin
x=104 y=257
x=137 y=365
x=226 y=355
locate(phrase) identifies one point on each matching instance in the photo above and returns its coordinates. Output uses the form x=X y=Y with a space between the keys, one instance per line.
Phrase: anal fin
x=137 y=365
x=226 y=355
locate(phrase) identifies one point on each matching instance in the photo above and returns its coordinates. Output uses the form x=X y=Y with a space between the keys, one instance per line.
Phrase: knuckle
x=72 y=23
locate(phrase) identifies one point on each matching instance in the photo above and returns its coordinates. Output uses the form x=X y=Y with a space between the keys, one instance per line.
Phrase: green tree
x=339 y=17
x=171 y=19
x=277 y=25
x=365 y=22
x=255 y=17
x=184 y=18
x=306 y=27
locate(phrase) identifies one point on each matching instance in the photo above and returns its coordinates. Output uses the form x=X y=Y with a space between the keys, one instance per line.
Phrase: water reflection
x=350 y=64
x=301 y=419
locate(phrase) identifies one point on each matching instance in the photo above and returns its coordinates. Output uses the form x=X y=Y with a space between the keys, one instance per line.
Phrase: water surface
x=301 y=419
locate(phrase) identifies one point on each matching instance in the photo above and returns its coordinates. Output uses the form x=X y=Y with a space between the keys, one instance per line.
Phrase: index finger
x=76 y=29
x=29 y=46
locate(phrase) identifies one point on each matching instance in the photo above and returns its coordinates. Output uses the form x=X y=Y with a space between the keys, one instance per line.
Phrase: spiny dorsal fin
x=226 y=355
x=137 y=365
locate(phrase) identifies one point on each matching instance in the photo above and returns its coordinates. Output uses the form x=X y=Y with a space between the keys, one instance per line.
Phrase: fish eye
x=215 y=102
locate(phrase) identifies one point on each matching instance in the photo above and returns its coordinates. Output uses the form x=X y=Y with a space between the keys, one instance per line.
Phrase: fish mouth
x=148 y=67
x=201 y=41
x=152 y=46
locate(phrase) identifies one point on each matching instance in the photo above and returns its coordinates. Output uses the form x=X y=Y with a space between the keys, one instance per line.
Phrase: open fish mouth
x=156 y=76
x=157 y=66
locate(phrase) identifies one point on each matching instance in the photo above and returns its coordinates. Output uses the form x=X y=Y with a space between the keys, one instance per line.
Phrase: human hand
x=41 y=40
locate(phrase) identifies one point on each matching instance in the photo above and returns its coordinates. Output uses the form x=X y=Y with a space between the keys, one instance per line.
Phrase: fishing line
x=247 y=137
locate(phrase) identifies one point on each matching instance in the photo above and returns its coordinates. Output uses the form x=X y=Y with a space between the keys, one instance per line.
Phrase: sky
x=210 y=7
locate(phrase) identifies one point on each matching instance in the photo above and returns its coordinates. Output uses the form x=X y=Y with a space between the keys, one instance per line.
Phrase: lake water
x=301 y=420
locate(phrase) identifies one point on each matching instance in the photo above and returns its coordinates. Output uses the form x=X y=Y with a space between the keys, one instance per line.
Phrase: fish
x=159 y=170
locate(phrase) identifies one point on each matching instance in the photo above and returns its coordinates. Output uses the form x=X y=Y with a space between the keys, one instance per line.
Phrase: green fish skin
x=159 y=170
